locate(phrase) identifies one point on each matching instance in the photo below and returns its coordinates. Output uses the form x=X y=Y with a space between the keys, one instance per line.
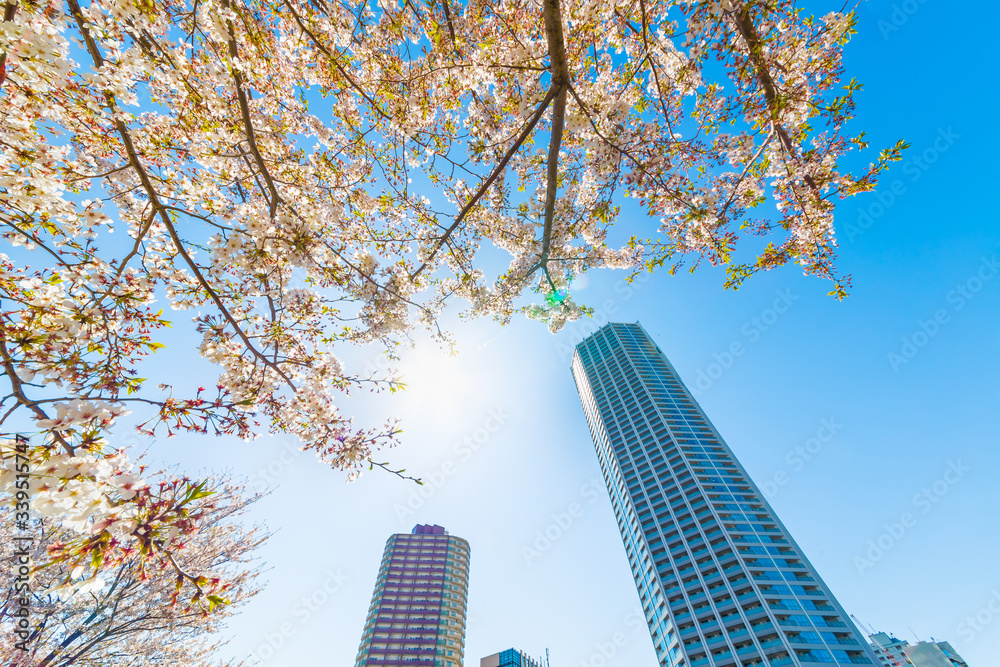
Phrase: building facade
x=417 y=614
x=889 y=649
x=721 y=581
x=934 y=654
x=893 y=652
x=509 y=658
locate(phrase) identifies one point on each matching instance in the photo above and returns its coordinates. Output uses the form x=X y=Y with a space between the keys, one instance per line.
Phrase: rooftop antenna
x=914 y=634
x=546 y=657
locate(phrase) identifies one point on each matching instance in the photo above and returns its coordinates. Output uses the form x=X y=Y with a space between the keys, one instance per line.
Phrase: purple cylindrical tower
x=417 y=614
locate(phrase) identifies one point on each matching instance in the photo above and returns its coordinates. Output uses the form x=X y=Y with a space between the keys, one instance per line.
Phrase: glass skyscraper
x=417 y=614
x=721 y=581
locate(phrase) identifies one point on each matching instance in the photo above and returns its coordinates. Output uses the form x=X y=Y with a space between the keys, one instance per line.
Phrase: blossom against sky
x=925 y=244
x=905 y=370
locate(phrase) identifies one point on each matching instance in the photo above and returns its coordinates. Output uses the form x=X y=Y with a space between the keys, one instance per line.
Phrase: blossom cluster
x=105 y=502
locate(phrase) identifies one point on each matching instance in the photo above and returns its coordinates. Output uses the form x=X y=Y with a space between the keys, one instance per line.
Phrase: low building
x=889 y=649
x=893 y=652
x=509 y=658
x=934 y=654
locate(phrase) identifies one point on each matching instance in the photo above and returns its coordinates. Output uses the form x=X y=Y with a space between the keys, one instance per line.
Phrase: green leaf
x=197 y=492
x=216 y=600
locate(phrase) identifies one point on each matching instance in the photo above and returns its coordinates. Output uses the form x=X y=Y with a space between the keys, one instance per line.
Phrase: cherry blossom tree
x=308 y=174
x=128 y=620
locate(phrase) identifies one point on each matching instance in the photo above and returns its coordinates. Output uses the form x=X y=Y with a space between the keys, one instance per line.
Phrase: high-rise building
x=889 y=649
x=509 y=658
x=417 y=614
x=721 y=581
x=934 y=654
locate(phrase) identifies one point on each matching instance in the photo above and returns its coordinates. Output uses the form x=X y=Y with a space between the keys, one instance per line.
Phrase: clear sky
x=926 y=288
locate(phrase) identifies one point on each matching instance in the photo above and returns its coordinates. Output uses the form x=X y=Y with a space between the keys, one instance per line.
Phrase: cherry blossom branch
x=275 y=198
x=560 y=84
x=451 y=27
x=244 y=103
x=451 y=92
x=746 y=28
x=746 y=169
x=641 y=168
x=17 y=387
x=10 y=8
x=652 y=65
x=72 y=637
x=58 y=257
x=151 y=192
x=140 y=235
x=336 y=63
x=180 y=571
x=399 y=473
x=196 y=270
x=499 y=169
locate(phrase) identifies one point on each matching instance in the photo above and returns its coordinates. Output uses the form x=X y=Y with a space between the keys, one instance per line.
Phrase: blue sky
x=500 y=436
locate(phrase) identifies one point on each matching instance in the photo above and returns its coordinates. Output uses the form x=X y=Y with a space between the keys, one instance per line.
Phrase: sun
x=438 y=384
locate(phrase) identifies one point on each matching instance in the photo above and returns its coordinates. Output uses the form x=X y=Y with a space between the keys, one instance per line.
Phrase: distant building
x=509 y=658
x=889 y=650
x=934 y=654
x=417 y=614
x=893 y=652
